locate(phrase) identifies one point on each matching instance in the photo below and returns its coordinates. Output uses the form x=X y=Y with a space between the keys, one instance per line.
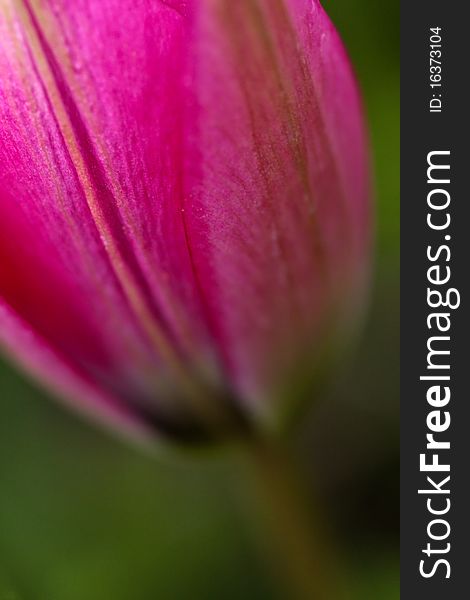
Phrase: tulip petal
x=276 y=183
x=93 y=254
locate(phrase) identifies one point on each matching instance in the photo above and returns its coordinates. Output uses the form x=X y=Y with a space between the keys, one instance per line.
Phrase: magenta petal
x=277 y=183
x=93 y=253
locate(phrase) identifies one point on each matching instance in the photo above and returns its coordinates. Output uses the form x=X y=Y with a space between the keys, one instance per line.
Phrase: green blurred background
x=84 y=517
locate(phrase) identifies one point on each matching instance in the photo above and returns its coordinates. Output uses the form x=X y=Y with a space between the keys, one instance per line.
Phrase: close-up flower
x=184 y=204
x=197 y=256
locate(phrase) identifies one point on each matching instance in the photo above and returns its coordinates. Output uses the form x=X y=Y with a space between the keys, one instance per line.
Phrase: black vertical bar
x=423 y=131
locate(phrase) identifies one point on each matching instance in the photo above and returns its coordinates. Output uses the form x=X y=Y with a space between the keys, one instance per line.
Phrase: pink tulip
x=184 y=216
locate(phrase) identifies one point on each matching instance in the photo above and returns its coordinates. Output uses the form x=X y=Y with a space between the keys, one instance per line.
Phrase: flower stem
x=295 y=540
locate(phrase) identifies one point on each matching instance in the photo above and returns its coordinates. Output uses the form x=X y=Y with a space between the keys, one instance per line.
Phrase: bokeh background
x=84 y=517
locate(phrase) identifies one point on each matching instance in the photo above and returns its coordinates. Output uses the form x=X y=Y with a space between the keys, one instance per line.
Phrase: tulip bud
x=184 y=216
